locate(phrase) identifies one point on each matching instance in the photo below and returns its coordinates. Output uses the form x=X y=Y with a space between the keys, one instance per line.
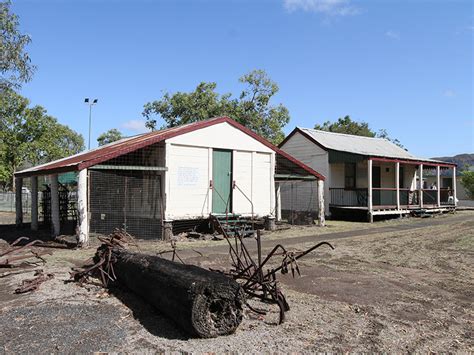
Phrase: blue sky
x=406 y=66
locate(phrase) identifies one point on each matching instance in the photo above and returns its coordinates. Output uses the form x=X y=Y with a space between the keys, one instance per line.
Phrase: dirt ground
x=400 y=286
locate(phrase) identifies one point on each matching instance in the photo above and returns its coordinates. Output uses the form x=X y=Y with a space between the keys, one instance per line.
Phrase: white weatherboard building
x=364 y=175
x=174 y=178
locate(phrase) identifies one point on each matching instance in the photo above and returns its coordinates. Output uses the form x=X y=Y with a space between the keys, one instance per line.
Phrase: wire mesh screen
x=128 y=199
x=67 y=194
x=299 y=201
x=152 y=155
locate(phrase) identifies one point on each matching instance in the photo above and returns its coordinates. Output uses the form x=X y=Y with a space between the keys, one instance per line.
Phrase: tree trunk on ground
x=201 y=302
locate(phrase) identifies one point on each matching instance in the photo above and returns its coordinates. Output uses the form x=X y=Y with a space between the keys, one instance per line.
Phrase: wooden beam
x=272 y=186
x=128 y=167
x=168 y=196
x=34 y=203
x=209 y=185
x=55 y=205
x=454 y=187
x=397 y=182
x=413 y=162
x=295 y=177
x=321 y=211
x=438 y=186
x=278 y=201
x=18 y=201
x=420 y=179
x=369 y=182
x=83 y=210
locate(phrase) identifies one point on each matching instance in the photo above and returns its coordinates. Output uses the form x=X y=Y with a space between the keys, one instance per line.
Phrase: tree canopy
x=348 y=126
x=29 y=136
x=110 y=136
x=251 y=107
x=467 y=181
x=15 y=64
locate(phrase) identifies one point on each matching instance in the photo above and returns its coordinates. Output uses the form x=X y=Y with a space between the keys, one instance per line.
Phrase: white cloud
x=328 y=7
x=449 y=93
x=392 y=34
x=135 y=125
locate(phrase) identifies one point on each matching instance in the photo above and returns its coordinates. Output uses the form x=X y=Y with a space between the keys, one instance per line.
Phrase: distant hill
x=461 y=160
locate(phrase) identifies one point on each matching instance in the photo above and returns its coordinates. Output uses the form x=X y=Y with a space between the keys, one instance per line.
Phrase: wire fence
x=7 y=201
x=126 y=199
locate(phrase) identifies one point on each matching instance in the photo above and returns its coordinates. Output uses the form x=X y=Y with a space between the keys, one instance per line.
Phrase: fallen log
x=201 y=302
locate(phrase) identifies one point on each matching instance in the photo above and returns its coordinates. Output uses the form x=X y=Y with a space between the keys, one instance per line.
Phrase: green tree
x=467 y=181
x=15 y=64
x=382 y=133
x=251 y=108
x=348 y=126
x=110 y=136
x=29 y=136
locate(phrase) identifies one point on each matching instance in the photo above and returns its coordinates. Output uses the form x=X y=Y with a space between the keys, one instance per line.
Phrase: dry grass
x=398 y=286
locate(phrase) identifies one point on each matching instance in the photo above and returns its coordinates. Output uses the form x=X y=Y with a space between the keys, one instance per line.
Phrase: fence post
x=278 y=201
x=438 y=186
x=18 y=201
x=420 y=173
x=34 y=203
x=397 y=183
x=454 y=187
x=83 y=210
x=321 y=212
x=55 y=205
x=369 y=190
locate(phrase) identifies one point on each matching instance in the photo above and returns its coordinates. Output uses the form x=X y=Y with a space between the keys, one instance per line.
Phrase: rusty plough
x=15 y=255
x=34 y=283
x=255 y=280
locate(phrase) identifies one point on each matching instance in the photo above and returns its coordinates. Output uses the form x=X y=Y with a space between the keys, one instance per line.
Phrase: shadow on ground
x=9 y=233
x=154 y=322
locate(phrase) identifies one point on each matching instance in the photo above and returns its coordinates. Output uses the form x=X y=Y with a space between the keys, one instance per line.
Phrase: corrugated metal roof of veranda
x=126 y=145
x=367 y=146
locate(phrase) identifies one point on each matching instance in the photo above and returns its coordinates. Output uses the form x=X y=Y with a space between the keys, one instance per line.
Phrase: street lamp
x=91 y=103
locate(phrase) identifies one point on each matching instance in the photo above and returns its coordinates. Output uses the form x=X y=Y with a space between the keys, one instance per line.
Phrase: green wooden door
x=222 y=181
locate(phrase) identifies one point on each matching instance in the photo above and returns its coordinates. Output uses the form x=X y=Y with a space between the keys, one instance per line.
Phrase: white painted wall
x=361 y=175
x=189 y=160
x=409 y=176
x=187 y=191
x=387 y=174
x=337 y=175
x=242 y=168
x=303 y=195
x=262 y=189
x=220 y=136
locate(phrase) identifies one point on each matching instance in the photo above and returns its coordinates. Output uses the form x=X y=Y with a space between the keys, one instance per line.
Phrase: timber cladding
x=126 y=199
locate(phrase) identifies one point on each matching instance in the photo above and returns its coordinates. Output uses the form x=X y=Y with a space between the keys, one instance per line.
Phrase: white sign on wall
x=188 y=176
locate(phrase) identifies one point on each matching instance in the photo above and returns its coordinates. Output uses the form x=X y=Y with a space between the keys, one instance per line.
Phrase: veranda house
x=366 y=176
x=165 y=181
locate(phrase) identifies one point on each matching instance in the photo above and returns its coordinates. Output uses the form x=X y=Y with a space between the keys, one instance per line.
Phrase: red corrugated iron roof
x=96 y=156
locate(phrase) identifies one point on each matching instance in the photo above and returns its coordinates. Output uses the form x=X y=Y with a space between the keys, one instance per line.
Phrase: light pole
x=89 y=102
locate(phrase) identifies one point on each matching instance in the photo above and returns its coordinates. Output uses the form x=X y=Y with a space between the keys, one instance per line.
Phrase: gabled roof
x=367 y=146
x=115 y=149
